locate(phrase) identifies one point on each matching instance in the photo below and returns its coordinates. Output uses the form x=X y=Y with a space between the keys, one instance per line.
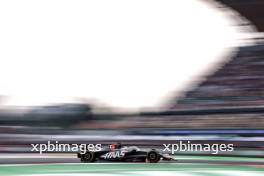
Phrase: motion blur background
x=141 y=73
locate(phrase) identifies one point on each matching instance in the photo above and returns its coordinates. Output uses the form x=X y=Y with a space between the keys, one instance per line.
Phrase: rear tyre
x=153 y=157
x=88 y=157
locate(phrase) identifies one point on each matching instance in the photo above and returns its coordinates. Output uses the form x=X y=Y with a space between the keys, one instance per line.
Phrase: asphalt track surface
x=69 y=165
x=72 y=158
x=110 y=169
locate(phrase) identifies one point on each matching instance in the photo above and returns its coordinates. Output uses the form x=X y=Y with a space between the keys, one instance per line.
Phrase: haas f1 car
x=116 y=153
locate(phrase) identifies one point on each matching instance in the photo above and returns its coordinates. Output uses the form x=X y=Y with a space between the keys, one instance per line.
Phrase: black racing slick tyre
x=88 y=157
x=153 y=156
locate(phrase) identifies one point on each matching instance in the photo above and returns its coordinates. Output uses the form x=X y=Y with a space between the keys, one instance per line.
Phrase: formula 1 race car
x=116 y=153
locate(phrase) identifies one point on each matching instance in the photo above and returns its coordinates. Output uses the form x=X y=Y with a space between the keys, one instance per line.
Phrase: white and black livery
x=117 y=153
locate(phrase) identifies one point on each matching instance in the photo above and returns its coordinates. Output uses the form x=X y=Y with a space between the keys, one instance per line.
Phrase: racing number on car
x=116 y=154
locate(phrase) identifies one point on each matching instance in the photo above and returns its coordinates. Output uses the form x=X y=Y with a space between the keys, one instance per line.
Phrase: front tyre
x=153 y=156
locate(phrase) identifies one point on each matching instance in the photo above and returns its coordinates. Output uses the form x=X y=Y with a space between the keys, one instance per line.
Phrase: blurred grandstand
x=238 y=84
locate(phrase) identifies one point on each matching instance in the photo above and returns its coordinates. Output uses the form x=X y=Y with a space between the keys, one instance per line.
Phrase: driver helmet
x=115 y=146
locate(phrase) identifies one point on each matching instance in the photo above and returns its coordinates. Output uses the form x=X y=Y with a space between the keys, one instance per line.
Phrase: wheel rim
x=88 y=156
x=152 y=156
